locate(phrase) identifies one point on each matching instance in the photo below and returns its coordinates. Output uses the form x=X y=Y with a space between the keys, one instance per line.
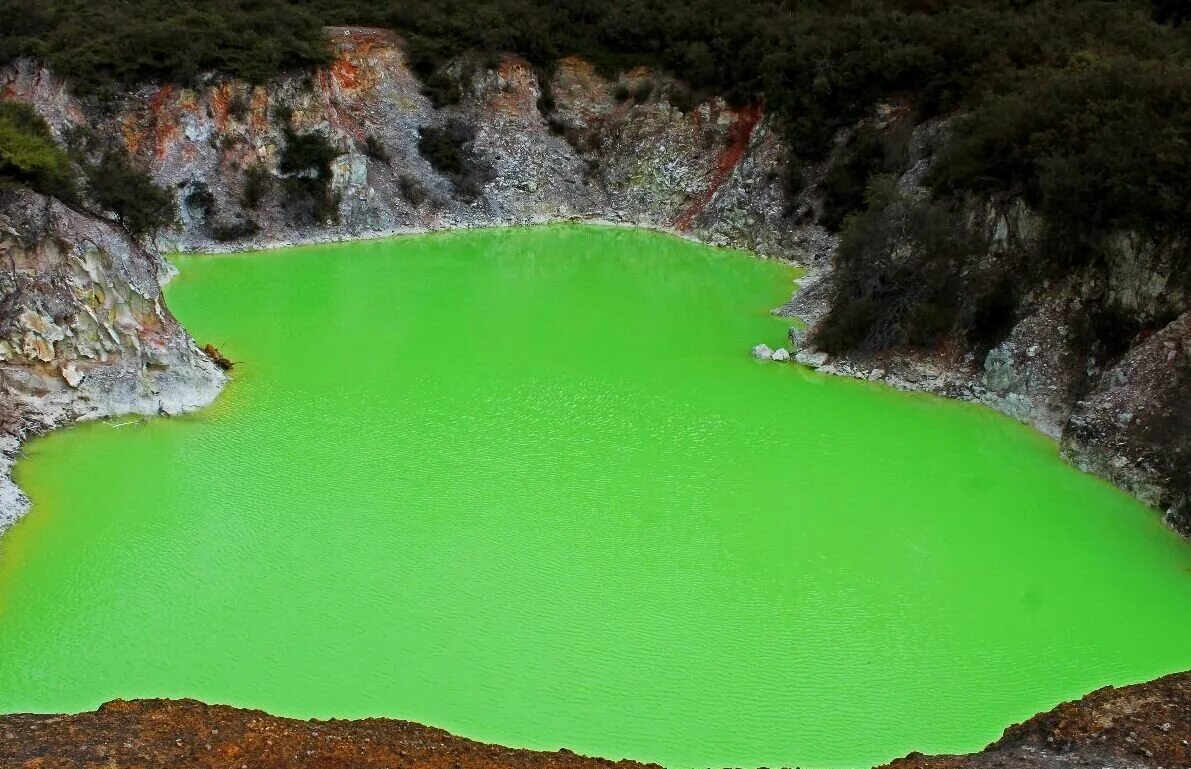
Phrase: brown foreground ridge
x=1146 y=725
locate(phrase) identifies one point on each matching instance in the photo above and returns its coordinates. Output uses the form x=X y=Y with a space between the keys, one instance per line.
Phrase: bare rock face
x=1146 y=725
x=83 y=330
x=1134 y=427
x=562 y=149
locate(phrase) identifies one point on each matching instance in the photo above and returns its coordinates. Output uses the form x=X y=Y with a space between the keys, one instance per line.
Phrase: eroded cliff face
x=84 y=333
x=709 y=171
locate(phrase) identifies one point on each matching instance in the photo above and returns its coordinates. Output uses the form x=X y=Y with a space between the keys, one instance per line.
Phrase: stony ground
x=1147 y=725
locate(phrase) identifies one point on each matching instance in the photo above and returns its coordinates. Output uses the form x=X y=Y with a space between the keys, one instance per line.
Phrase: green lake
x=529 y=486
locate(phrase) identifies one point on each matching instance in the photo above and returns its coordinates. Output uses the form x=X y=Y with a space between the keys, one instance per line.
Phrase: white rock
x=875 y=374
x=781 y=354
x=815 y=359
x=762 y=352
x=71 y=374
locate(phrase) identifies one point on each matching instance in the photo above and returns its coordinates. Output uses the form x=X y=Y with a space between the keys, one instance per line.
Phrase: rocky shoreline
x=1145 y=725
x=542 y=147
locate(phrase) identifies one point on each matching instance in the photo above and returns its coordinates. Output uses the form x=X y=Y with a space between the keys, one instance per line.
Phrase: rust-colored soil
x=1144 y=725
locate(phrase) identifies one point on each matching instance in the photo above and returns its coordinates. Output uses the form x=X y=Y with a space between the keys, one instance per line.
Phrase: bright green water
x=530 y=487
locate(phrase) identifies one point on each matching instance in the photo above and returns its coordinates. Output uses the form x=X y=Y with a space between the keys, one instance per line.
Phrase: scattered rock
x=72 y=375
x=809 y=358
x=875 y=374
x=762 y=352
x=781 y=354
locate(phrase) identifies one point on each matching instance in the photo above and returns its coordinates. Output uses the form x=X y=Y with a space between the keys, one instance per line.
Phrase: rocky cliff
x=515 y=145
x=84 y=333
x=1099 y=359
x=540 y=147
x=1147 y=725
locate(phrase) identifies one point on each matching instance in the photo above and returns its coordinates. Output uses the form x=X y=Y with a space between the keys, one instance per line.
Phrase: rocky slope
x=1147 y=725
x=561 y=147
x=84 y=333
x=1118 y=413
x=534 y=146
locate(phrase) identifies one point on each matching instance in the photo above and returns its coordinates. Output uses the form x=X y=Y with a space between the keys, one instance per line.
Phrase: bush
x=412 y=190
x=29 y=156
x=237 y=230
x=257 y=183
x=449 y=150
x=899 y=274
x=101 y=46
x=1099 y=148
x=237 y=106
x=114 y=184
x=306 y=161
x=642 y=91
x=846 y=181
x=374 y=149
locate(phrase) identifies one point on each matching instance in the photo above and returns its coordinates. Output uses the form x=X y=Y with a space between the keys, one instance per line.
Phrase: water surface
x=528 y=486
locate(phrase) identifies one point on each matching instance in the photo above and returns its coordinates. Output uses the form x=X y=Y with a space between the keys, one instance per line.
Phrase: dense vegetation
x=1080 y=107
x=110 y=183
x=29 y=156
x=122 y=43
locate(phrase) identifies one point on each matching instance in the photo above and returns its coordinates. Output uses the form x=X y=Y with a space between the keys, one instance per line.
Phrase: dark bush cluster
x=112 y=183
x=105 y=45
x=29 y=156
x=257 y=183
x=902 y=275
x=449 y=150
x=306 y=162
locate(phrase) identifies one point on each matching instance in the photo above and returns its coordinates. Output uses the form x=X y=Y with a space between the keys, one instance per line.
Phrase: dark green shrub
x=237 y=106
x=257 y=183
x=642 y=91
x=237 y=230
x=898 y=274
x=29 y=156
x=283 y=114
x=412 y=190
x=309 y=154
x=114 y=184
x=375 y=150
x=448 y=148
x=846 y=181
x=306 y=162
x=441 y=89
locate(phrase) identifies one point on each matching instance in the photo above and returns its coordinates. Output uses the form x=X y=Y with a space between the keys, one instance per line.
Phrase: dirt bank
x=1147 y=725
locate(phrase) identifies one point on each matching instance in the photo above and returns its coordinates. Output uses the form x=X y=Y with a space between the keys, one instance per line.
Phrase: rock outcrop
x=84 y=333
x=544 y=149
x=1115 y=413
x=1147 y=725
